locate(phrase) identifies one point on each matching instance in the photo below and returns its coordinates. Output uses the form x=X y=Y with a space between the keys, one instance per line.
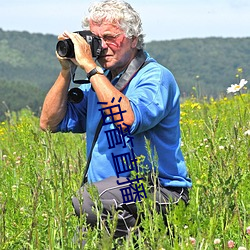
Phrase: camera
x=65 y=48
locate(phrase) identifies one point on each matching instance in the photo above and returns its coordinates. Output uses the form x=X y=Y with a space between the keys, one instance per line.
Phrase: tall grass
x=40 y=172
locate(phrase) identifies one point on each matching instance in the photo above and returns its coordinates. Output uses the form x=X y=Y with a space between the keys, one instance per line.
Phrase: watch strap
x=93 y=72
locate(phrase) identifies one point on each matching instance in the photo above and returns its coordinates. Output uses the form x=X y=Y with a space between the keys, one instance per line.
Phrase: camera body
x=65 y=48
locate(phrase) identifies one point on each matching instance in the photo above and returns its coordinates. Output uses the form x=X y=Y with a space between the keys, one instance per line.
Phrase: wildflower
x=22 y=210
x=248 y=230
x=237 y=87
x=247 y=133
x=216 y=241
x=14 y=188
x=198 y=182
x=195 y=106
x=221 y=147
x=242 y=248
x=192 y=240
x=240 y=70
x=45 y=216
x=230 y=244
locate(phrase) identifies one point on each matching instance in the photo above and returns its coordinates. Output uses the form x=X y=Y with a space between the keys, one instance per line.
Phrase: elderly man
x=137 y=100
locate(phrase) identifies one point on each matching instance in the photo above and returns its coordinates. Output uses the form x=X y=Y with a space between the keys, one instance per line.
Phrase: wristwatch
x=96 y=70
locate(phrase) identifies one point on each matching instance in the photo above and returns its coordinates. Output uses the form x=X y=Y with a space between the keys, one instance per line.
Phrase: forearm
x=55 y=103
x=105 y=92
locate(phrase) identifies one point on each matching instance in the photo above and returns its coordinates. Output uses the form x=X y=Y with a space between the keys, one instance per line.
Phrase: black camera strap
x=136 y=64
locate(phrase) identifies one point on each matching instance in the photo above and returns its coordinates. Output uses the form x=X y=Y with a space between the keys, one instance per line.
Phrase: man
x=137 y=100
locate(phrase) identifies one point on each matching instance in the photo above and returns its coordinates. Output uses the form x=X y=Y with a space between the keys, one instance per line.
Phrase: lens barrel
x=75 y=95
x=65 y=48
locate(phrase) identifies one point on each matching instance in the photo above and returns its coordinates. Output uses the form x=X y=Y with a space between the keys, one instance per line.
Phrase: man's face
x=118 y=50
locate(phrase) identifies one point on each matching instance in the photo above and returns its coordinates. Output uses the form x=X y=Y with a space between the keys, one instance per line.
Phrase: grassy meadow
x=40 y=172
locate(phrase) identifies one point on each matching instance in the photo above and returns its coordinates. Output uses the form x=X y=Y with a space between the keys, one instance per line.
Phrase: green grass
x=40 y=172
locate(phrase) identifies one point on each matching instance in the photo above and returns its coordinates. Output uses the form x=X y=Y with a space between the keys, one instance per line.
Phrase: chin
x=105 y=64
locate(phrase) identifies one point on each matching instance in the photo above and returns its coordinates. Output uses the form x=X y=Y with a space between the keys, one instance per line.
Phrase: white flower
x=217 y=241
x=237 y=87
x=242 y=248
x=246 y=133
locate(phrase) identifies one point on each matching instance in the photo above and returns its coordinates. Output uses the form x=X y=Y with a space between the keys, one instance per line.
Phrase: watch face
x=99 y=70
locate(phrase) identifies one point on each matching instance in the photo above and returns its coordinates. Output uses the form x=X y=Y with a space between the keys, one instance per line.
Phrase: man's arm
x=105 y=91
x=55 y=103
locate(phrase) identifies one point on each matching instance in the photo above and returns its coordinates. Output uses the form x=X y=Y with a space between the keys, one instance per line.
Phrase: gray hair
x=120 y=13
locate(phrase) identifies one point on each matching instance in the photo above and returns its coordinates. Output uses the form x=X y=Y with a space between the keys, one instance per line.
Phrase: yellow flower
x=240 y=70
x=195 y=105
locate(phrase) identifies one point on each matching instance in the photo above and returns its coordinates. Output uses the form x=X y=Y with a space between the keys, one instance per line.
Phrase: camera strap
x=136 y=64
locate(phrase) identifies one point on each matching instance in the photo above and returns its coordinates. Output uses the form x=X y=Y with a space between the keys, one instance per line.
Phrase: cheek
x=119 y=43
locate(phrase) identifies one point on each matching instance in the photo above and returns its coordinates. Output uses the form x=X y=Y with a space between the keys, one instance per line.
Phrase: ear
x=134 y=42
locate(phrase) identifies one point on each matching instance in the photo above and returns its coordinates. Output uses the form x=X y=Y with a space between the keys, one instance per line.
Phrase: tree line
x=202 y=67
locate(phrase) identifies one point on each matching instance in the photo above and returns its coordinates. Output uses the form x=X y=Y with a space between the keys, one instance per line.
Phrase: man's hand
x=83 y=54
x=66 y=63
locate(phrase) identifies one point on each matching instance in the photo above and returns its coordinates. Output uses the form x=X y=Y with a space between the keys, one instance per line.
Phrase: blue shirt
x=154 y=96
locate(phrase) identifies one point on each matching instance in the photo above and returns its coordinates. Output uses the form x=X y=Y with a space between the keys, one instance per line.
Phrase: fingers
x=82 y=49
x=63 y=36
x=70 y=35
x=66 y=61
x=67 y=35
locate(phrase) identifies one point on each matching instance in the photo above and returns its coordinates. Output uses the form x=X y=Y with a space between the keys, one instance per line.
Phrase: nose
x=104 y=44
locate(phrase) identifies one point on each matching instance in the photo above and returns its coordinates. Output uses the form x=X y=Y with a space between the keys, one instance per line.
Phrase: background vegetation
x=40 y=172
x=28 y=66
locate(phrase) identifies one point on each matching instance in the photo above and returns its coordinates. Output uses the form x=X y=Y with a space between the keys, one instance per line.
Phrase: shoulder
x=153 y=70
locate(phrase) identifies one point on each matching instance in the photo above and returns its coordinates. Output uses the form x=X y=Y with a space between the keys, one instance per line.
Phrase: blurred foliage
x=28 y=68
x=202 y=67
x=16 y=95
x=208 y=64
x=40 y=172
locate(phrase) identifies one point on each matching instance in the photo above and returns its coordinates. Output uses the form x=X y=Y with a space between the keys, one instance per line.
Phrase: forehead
x=104 y=27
